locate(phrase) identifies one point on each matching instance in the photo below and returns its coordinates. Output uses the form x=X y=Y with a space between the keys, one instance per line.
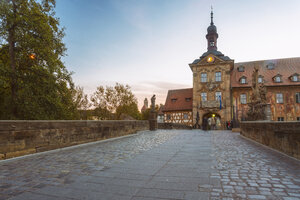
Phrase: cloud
x=146 y=89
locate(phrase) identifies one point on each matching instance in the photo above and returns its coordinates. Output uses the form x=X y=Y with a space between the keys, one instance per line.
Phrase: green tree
x=82 y=102
x=111 y=102
x=34 y=81
x=130 y=110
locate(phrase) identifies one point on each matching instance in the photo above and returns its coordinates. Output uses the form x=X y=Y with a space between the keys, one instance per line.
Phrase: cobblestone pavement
x=173 y=164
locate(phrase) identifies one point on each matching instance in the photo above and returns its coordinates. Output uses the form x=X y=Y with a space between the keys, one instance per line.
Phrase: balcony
x=210 y=104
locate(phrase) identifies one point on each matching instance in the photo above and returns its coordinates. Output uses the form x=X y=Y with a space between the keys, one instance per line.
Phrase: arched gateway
x=211 y=121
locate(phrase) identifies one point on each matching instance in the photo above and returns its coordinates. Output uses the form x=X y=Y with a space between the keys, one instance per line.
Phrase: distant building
x=222 y=88
x=145 y=106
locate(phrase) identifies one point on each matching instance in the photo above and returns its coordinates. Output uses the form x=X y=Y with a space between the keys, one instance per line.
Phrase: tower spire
x=212 y=34
x=211 y=16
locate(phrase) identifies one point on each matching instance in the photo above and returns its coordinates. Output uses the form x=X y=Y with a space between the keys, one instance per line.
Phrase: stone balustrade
x=25 y=137
x=282 y=136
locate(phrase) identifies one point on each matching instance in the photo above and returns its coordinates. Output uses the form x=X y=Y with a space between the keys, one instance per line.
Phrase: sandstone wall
x=289 y=109
x=282 y=136
x=25 y=137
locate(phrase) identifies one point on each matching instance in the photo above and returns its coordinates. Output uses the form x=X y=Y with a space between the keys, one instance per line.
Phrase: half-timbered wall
x=180 y=117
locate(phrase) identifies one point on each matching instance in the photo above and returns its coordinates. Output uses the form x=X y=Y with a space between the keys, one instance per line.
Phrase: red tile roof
x=285 y=67
x=177 y=100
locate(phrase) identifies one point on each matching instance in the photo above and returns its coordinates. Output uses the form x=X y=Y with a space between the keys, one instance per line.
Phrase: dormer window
x=173 y=100
x=188 y=99
x=277 y=78
x=241 y=68
x=260 y=79
x=295 y=77
x=243 y=80
x=270 y=66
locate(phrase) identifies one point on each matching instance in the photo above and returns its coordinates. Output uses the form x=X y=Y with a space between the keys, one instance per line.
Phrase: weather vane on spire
x=211 y=16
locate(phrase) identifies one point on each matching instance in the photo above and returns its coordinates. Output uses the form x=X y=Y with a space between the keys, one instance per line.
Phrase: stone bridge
x=163 y=164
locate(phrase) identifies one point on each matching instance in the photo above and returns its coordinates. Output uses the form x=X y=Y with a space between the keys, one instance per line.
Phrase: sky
x=148 y=44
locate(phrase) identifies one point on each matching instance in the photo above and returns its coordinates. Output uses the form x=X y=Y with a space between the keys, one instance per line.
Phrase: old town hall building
x=222 y=88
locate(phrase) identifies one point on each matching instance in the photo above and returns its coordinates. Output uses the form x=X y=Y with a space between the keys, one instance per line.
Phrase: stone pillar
x=153 y=120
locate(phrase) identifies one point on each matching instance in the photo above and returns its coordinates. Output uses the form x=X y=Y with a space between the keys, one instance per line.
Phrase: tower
x=211 y=83
x=146 y=103
x=212 y=34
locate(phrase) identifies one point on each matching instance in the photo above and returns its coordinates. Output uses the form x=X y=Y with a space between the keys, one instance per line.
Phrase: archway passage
x=211 y=121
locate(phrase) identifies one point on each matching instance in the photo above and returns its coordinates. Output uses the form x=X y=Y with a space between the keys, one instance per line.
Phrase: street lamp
x=32 y=56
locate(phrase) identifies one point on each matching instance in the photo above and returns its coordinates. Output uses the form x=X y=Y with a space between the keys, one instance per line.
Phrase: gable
x=181 y=99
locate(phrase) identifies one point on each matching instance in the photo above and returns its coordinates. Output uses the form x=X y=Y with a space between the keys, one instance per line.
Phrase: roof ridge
x=180 y=89
x=268 y=60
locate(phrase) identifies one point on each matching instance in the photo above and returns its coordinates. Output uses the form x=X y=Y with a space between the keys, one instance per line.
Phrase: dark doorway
x=211 y=121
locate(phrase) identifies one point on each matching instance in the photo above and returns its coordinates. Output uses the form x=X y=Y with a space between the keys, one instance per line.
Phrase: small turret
x=212 y=34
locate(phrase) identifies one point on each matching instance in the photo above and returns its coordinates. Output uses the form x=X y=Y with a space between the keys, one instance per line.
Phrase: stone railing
x=282 y=136
x=210 y=104
x=25 y=137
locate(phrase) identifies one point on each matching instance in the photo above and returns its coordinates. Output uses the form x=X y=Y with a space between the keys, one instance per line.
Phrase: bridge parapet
x=282 y=136
x=25 y=137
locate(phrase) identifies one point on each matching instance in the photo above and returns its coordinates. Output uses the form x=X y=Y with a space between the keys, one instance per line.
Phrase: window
x=270 y=66
x=188 y=99
x=218 y=96
x=295 y=78
x=260 y=80
x=298 y=118
x=204 y=96
x=203 y=77
x=218 y=76
x=243 y=99
x=185 y=116
x=212 y=44
x=243 y=80
x=173 y=100
x=277 y=79
x=280 y=119
x=241 y=68
x=279 y=98
x=298 y=97
x=168 y=116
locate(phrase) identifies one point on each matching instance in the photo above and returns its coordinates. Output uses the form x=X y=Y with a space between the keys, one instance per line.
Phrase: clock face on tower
x=210 y=59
